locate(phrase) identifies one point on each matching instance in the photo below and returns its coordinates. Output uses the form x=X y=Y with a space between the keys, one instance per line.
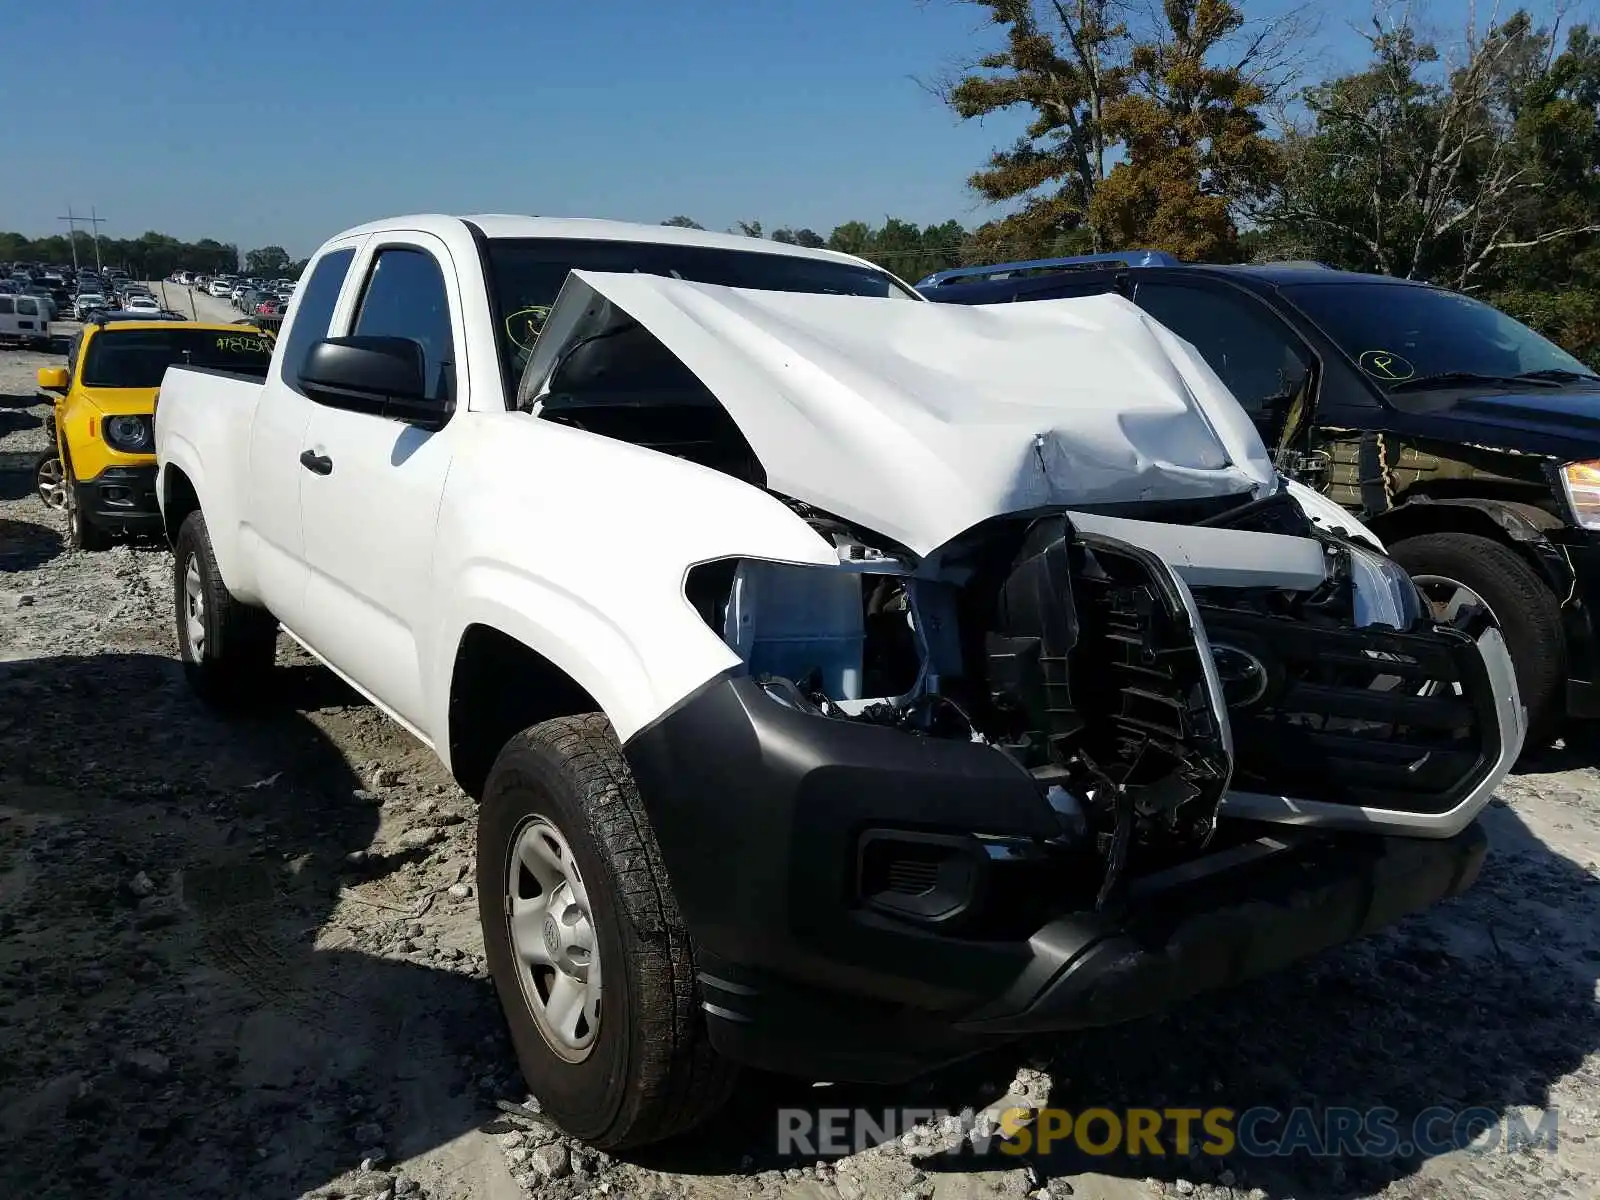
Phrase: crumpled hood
x=919 y=420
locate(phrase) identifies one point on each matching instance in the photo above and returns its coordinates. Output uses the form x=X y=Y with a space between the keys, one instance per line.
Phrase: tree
x=852 y=237
x=683 y=223
x=268 y=260
x=151 y=255
x=1411 y=169
x=748 y=228
x=1065 y=60
x=1195 y=143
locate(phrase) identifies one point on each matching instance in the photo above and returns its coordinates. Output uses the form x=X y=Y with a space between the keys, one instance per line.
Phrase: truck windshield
x=1405 y=336
x=138 y=358
x=527 y=275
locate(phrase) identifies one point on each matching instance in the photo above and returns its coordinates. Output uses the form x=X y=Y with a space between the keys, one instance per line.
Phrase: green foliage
x=152 y=256
x=271 y=261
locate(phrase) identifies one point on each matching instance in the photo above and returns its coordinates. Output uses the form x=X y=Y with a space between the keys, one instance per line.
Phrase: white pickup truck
x=848 y=682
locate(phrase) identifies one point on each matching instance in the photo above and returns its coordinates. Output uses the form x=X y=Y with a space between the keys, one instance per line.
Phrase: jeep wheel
x=50 y=482
x=82 y=532
x=227 y=647
x=572 y=892
x=1452 y=568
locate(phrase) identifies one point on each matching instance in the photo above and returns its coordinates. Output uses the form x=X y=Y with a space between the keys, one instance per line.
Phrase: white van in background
x=25 y=320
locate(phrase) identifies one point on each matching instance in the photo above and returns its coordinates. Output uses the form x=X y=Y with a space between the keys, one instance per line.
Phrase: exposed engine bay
x=1134 y=699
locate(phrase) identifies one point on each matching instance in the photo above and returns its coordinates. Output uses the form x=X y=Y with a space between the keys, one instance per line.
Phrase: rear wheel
x=573 y=894
x=1454 y=569
x=227 y=647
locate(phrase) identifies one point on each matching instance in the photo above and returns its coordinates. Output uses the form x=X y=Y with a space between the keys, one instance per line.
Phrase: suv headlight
x=131 y=435
x=1582 y=483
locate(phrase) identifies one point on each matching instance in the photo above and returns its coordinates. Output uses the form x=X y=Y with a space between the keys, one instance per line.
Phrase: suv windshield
x=138 y=358
x=1401 y=335
x=527 y=275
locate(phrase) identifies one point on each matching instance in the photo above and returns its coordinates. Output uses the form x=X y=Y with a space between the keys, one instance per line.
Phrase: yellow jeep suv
x=103 y=469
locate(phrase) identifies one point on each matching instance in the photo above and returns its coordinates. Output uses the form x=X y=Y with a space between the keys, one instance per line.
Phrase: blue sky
x=287 y=121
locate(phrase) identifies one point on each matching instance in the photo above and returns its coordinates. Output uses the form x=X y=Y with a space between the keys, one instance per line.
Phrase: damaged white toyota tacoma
x=848 y=682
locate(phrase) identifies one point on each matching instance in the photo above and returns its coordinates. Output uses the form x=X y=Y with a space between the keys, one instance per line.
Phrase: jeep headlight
x=1582 y=483
x=131 y=435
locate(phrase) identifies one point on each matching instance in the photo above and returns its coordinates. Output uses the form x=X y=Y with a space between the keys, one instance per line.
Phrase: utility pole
x=95 y=221
x=72 y=235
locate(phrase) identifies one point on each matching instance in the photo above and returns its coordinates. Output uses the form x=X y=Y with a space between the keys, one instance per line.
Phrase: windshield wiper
x=1447 y=379
x=1560 y=375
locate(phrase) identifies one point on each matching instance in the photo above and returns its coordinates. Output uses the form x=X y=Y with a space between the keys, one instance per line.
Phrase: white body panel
x=916 y=420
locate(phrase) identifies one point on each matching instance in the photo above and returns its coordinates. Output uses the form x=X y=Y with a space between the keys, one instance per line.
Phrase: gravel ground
x=241 y=959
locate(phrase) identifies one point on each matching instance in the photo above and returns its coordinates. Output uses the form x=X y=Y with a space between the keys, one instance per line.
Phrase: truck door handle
x=317 y=464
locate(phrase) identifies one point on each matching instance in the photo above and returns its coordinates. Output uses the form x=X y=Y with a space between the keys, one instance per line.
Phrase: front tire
x=227 y=647
x=1528 y=612
x=82 y=532
x=571 y=884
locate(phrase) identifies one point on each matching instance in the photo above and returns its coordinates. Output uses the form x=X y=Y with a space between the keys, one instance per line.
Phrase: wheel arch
x=179 y=498
x=500 y=686
x=1520 y=527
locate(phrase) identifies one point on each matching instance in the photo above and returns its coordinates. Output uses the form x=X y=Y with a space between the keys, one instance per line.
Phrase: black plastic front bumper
x=765 y=817
x=122 y=498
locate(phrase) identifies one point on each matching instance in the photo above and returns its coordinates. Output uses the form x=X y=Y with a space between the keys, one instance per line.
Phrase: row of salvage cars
x=848 y=682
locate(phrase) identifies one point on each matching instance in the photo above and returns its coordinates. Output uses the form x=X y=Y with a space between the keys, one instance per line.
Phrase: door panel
x=369 y=521
x=272 y=532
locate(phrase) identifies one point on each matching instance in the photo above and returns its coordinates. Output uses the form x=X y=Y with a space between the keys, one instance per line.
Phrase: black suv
x=1466 y=441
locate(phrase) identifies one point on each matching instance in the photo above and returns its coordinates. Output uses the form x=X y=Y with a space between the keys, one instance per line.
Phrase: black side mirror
x=384 y=376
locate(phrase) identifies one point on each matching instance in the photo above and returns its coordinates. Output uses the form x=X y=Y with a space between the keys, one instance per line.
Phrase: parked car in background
x=23 y=320
x=102 y=470
x=1466 y=441
x=846 y=683
x=142 y=304
x=89 y=302
x=221 y=286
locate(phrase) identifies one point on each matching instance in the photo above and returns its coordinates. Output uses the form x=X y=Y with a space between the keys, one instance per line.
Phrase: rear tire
x=647 y=1071
x=1528 y=612
x=227 y=647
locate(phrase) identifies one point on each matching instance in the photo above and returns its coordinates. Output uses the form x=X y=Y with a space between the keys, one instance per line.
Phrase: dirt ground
x=241 y=959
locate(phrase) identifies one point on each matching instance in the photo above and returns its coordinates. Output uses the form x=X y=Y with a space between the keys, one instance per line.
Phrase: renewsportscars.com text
x=1259 y=1132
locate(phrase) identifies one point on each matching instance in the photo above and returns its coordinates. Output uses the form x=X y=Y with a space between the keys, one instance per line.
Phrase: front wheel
x=82 y=532
x=589 y=955
x=50 y=481
x=1457 y=568
x=227 y=647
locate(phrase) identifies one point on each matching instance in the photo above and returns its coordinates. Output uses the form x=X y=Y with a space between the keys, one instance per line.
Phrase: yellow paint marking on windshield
x=523 y=326
x=1385 y=364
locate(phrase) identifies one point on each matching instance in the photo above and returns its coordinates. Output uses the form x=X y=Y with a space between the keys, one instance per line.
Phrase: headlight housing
x=131 y=435
x=1582 y=483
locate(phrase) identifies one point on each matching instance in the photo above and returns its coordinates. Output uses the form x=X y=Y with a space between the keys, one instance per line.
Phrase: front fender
x=632 y=683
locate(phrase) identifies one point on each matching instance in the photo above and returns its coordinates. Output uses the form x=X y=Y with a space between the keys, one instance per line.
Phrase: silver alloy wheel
x=194 y=608
x=553 y=939
x=51 y=482
x=1448 y=598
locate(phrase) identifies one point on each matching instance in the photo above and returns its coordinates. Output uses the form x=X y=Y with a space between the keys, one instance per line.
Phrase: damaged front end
x=1151 y=679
